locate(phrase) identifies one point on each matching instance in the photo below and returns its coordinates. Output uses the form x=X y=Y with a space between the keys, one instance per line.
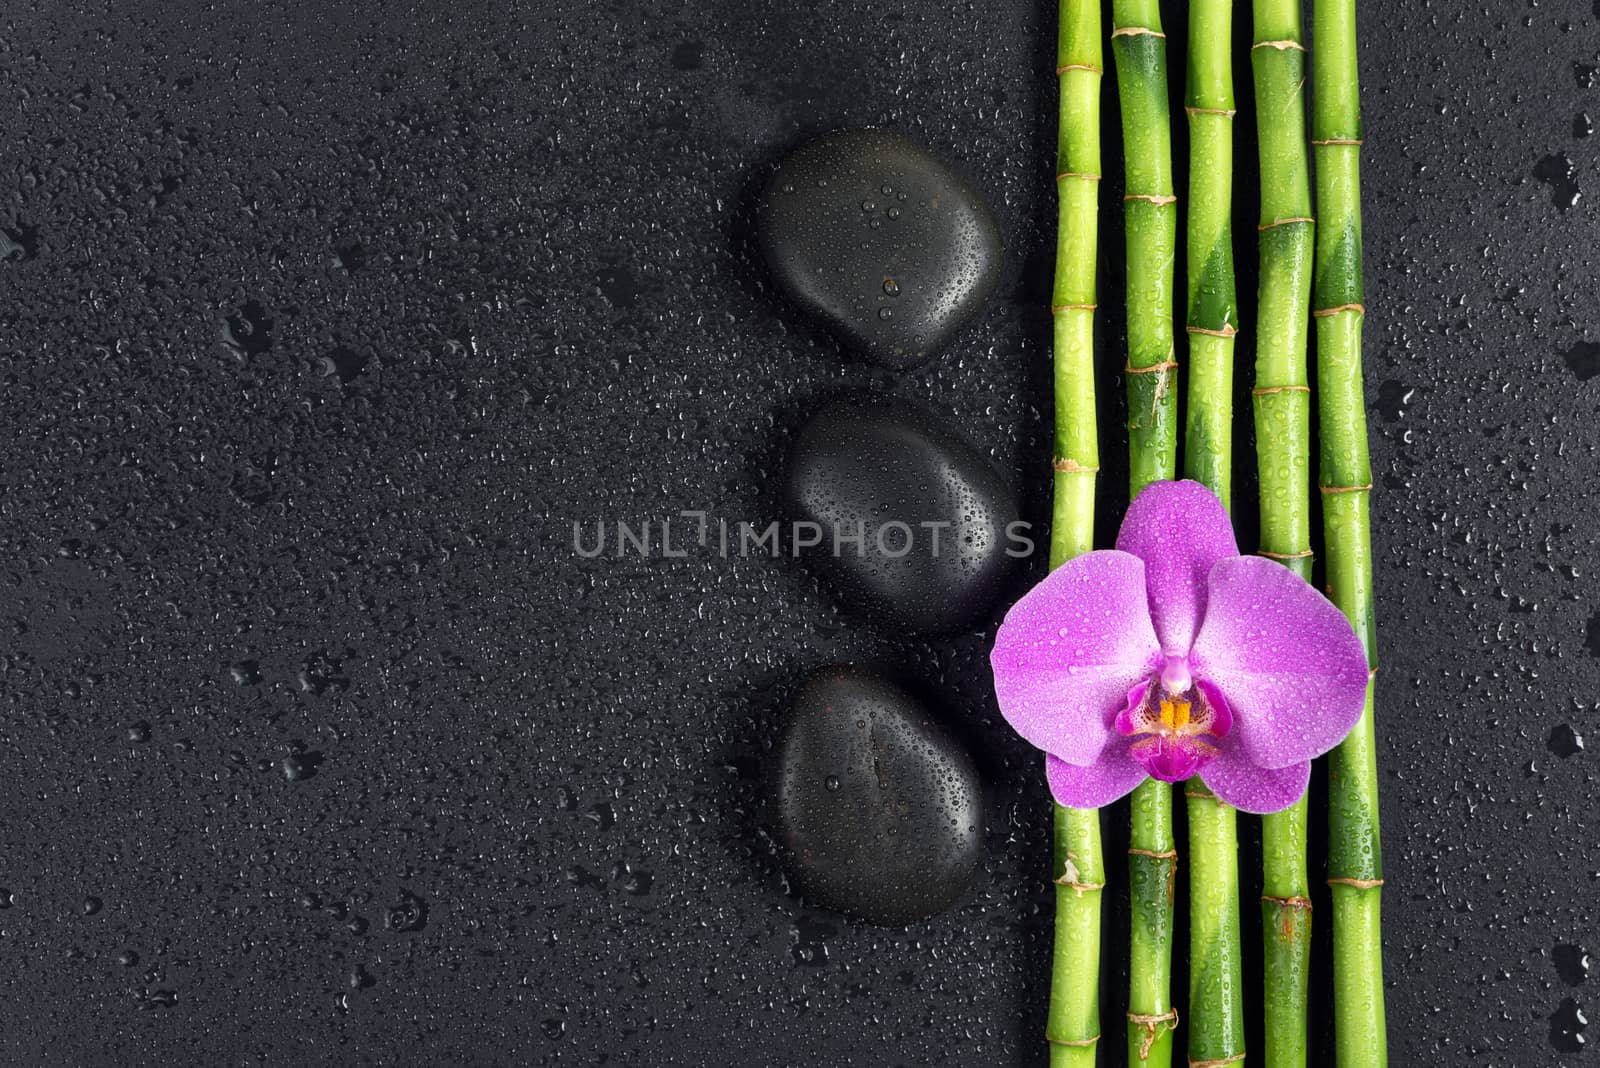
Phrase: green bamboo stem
x=1150 y=214
x=1152 y=875
x=1216 y=988
x=1073 y=1024
x=1282 y=402
x=1355 y=856
x=1213 y=316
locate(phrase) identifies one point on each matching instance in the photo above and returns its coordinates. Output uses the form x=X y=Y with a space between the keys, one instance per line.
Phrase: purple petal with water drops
x=1284 y=658
x=1069 y=652
x=1249 y=788
x=1180 y=530
x=1111 y=777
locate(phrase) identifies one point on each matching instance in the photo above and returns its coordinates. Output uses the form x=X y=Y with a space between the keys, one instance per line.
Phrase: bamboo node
x=1346 y=489
x=1084 y=175
x=1307 y=554
x=1226 y=113
x=1056 y=309
x=1281 y=46
x=1324 y=313
x=1075 y=1043
x=1068 y=465
x=1159 y=200
x=1090 y=67
x=1170 y=854
x=1221 y=1063
x=1287 y=907
x=1357 y=141
x=1359 y=884
x=1227 y=331
x=1267 y=391
x=1152 y=1025
x=1070 y=877
x=1136 y=31
x=1153 y=369
x=1264 y=227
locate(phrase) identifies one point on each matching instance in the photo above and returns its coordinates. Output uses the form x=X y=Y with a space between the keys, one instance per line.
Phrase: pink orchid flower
x=1173 y=656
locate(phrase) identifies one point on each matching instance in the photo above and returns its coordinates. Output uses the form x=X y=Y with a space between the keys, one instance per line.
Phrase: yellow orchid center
x=1174 y=714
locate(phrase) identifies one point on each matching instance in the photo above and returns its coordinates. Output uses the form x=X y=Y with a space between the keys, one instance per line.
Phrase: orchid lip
x=1173 y=724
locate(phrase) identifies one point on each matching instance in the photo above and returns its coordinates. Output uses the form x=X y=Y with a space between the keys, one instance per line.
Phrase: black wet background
x=321 y=322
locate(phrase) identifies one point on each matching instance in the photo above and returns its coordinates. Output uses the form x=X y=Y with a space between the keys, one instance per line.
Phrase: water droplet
x=1564 y=741
x=1572 y=964
x=1558 y=172
x=1583 y=360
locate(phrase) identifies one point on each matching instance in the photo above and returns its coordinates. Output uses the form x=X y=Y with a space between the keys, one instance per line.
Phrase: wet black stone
x=877 y=807
x=894 y=473
x=882 y=241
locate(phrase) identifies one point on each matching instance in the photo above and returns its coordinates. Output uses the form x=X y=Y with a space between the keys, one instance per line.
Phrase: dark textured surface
x=321 y=322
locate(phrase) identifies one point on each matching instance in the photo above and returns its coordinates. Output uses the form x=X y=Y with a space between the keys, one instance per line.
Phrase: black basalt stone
x=882 y=241
x=934 y=517
x=878 y=808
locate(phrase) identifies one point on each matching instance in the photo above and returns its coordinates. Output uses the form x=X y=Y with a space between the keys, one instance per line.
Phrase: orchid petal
x=1293 y=672
x=1069 y=652
x=1113 y=776
x=1217 y=706
x=1180 y=530
x=1252 y=789
x=1125 y=721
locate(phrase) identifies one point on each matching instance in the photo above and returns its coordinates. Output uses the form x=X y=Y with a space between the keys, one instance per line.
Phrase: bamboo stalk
x=1152 y=876
x=1150 y=211
x=1073 y=1025
x=1150 y=214
x=1355 y=856
x=1282 y=403
x=1216 y=988
x=1213 y=316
